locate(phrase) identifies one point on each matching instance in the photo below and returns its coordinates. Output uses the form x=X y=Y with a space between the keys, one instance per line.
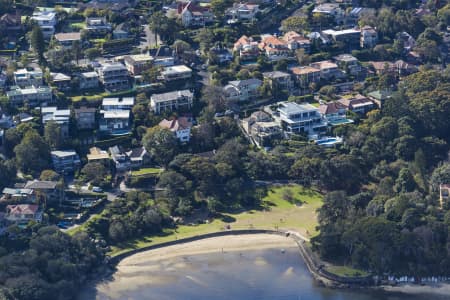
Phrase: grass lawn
x=146 y=171
x=346 y=271
x=94 y=96
x=298 y=214
x=79 y=25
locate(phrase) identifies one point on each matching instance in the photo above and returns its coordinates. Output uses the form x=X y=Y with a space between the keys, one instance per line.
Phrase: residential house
x=18 y=195
x=349 y=64
x=120 y=159
x=66 y=40
x=247 y=48
x=330 y=9
x=242 y=11
x=444 y=195
x=369 y=37
x=262 y=129
x=97 y=26
x=47 y=21
x=404 y=68
x=47 y=191
x=120 y=34
x=334 y=113
x=125 y=103
x=383 y=67
x=379 y=97
x=28 y=77
x=349 y=37
x=181 y=127
x=180 y=72
x=305 y=76
x=98 y=155
x=115 y=122
x=12 y=23
x=34 y=96
x=358 y=104
x=23 y=213
x=171 y=101
x=296 y=41
x=65 y=162
x=328 y=69
x=61 y=81
x=194 y=15
x=114 y=76
x=221 y=54
x=274 y=48
x=136 y=64
x=162 y=56
x=138 y=157
x=279 y=80
x=59 y=116
x=301 y=118
x=242 y=90
x=89 y=80
x=85 y=118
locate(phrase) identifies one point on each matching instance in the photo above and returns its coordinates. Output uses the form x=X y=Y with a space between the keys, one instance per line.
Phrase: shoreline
x=234 y=241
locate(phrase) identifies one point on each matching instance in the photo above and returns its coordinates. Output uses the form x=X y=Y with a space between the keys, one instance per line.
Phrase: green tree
x=162 y=144
x=33 y=153
x=37 y=41
x=94 y=172
x=52 y=134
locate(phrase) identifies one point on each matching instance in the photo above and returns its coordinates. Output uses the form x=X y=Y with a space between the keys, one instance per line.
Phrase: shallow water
x=254 y=275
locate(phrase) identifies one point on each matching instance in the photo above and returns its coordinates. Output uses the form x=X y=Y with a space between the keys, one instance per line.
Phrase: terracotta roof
x=41 y=185
x=358 y=100
x=22 y=209
x=331 y=108
x=326 y=64
x=294 y=36
x=176 y=124
x=69 y=36
x=304 y=70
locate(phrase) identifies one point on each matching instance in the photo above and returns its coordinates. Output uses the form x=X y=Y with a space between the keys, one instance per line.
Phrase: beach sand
x=143 y=269
x=210 y=245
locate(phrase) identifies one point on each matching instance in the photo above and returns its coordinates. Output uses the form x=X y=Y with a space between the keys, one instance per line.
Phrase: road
x=148 y=41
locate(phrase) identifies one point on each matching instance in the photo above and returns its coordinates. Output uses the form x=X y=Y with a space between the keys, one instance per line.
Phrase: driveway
x=148 y=41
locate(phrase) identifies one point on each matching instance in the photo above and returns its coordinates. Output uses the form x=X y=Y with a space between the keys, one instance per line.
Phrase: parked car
x=97 y=189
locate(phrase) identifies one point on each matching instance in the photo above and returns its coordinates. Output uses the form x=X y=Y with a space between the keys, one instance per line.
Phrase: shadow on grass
x=227 y=218
x=133 y=244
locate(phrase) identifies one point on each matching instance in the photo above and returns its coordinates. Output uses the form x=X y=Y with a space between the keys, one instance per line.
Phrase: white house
x=180 y=72
x=115 y=122
x=23 y=213
x=171 y=101
x=28 y=77
x=181 y=127
x=60 y=116
x=47 y=21
x=300 y=118
x=242 y=90
x=243 y=11
x=118 y=103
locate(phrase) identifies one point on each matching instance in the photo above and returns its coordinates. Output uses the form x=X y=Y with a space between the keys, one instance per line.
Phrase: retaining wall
x=316 y=268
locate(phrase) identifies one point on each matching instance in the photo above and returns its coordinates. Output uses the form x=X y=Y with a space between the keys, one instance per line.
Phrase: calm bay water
x=249 y=275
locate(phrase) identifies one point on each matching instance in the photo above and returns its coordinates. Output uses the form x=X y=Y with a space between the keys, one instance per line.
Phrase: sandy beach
x=210 y=245
x=208 y=267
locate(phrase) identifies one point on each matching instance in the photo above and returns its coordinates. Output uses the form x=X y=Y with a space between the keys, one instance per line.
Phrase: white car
x=97 y=189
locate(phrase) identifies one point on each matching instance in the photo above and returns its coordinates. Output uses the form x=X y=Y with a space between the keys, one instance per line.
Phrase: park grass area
x=96 y=96
x=291 y=207
x=146 y=171
x=346 y=271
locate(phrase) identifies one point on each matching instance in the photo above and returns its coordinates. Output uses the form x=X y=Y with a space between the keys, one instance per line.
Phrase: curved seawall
x=315 y=267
